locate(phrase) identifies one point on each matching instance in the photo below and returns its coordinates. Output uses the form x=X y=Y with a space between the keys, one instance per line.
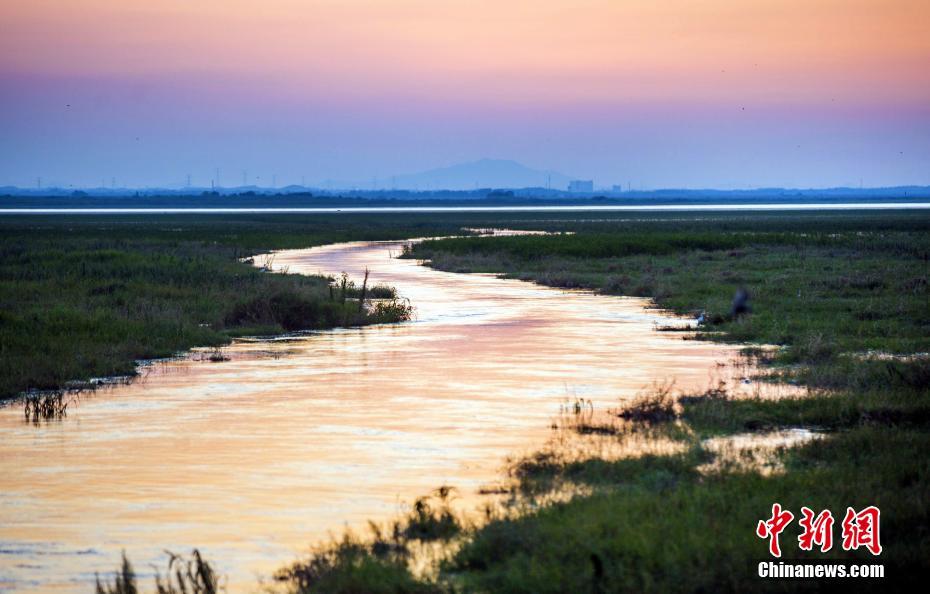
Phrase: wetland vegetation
x=85 y=297
x=843 y=297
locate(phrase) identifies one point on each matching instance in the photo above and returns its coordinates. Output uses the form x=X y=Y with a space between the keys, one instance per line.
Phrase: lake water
x=255 y=458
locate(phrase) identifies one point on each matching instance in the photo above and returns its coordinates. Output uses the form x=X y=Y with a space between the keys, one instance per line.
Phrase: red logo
x=817 y=530
x=774 y=526
x=861 y=530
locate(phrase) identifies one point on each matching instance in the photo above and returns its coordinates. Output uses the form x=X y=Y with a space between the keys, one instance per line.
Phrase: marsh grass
x=192 y=575
x=432 y=517
x=386 y=559
x=355 y=565
x=87 y=296
x=124 y=580
x=187 y=576
x=343 y=286
x=654 y=406
x=391 y=310
x=48 y=406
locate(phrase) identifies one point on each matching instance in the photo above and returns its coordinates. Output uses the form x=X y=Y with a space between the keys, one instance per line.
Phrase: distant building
x=616 y=188
x=581 y=185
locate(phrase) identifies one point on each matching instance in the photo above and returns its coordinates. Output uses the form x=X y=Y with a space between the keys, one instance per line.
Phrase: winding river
x=255 y=458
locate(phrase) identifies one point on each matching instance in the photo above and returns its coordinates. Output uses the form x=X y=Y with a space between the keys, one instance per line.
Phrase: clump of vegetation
x=182 y=576
x=655 y=406
x=45 y=406
x=577 y=415
x=124 y=580
x=391 y=310
x=382 y=562
x=344 y=287
x=431 y=521
x=292 y=311
x=353 y=565
x=217 y=355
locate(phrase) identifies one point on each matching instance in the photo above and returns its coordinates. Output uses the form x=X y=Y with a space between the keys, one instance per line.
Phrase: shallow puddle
x=755 y=451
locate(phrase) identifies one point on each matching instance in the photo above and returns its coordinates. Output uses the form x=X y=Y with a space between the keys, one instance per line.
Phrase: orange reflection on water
x=254 y=458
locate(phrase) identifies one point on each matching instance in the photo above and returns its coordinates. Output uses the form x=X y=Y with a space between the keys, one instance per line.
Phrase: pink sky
x=677 y=93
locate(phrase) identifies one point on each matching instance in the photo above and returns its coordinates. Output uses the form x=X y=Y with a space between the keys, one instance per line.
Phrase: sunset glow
x=718 y=93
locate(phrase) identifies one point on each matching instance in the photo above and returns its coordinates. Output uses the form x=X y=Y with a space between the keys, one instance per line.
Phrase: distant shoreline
x=832 y=206
x=375 y=202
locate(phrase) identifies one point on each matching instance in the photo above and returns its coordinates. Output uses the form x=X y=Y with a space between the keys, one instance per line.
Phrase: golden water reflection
x=254 y=458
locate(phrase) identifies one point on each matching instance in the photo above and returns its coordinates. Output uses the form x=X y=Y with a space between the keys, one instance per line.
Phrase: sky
x=678 y=93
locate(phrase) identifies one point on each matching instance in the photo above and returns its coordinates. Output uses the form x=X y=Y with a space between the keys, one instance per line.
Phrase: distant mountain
x=486 y=173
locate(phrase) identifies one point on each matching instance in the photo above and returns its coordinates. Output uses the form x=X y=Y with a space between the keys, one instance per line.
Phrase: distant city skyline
x=716 y=94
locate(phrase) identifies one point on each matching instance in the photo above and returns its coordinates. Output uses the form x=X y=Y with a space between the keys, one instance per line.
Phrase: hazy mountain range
x=484 y=173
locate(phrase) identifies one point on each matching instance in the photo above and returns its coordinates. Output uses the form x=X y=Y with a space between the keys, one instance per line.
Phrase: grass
x=380 y=563
x=182 y=576
x=354 y=565
x=86 y=297
x=47 y=406
x=655 y=406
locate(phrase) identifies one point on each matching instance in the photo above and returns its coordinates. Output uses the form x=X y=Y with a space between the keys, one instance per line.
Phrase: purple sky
x=689 y=95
